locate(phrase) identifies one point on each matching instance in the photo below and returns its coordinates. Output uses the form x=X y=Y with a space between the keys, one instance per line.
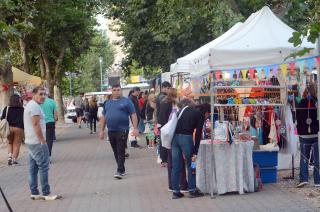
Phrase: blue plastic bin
x=265 y=158
x=268 y=175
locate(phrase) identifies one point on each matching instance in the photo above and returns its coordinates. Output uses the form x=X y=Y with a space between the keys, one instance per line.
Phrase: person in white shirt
x=35 y=131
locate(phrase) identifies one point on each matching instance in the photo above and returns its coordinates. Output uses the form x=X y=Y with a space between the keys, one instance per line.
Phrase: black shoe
x=195 y=194
x=9 y=161
x=15 y=162
x=127 y=155
x=177 y=195
x=136 y=146
x=91 y=132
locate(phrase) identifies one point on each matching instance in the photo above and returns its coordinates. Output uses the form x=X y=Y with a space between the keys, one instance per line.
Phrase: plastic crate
x=265 y=158
x=268 y=175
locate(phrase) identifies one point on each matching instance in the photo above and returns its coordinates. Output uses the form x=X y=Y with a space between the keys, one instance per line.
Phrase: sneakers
x=9 y=161
x=317 y=185
x=170 y=190
x=15 y=162
x=184 y=190
x=195 y=194
x=136 y=146
x=118 y=176
x=52 y=197
x=36 y=197
x=302 y=184
x=177 y=195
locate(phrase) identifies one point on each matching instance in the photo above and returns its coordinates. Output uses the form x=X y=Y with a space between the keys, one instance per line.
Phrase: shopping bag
x=168 y=130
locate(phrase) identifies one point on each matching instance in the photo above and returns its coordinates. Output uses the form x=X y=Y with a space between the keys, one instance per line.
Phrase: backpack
x=4 y=127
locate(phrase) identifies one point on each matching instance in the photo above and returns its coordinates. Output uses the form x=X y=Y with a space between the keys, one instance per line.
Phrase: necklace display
x=309 y=120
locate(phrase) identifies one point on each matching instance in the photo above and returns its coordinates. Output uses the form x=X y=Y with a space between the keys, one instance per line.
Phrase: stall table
x=230 y=167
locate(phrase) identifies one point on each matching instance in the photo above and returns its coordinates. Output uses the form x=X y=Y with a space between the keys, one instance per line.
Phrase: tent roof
x=261 y=40
x=190 y=62
x=20 y=77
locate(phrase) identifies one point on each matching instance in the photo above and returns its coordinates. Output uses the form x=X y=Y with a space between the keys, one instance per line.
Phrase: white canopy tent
x=197 y=60
x=261 y=40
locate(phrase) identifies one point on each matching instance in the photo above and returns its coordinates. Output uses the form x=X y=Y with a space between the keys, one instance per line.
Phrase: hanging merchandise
x=244 y=73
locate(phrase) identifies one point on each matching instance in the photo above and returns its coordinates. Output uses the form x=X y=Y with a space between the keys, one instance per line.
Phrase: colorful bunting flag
x=318 y=60
x=244 y=73
x=292 y=66
x=284 y=68
x=267 y=71
x=275 y=70
x=238 y=73
x=310 y=63
x=259 y=72
x=251 y=72
x=301 y=65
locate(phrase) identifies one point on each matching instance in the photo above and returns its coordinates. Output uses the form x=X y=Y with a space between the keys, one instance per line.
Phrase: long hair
x=93 y=102
x=172 y=96
x=310 y=88
x=15 y=101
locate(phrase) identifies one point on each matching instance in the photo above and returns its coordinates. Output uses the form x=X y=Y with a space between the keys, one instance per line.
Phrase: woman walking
x=86 y=111
x=14 y=115
x=150 y=117
x=93 y=114
x=308 y=127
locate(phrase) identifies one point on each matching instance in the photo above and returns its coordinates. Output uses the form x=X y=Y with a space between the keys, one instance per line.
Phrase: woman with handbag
x=169 y=106
x=183 y=146
x=14 y=115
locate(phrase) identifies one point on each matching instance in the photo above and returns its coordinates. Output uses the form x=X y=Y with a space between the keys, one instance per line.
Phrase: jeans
x=183 y=184
x=50 y=135
x=93 y=121
x=118 y=141
x=182 y=145
x=39 y=162
x=305 y=145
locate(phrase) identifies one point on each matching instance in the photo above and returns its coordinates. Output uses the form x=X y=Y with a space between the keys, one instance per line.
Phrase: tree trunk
x=59 y=101
x=6 y=78
x=42 y=68
x=24 y=55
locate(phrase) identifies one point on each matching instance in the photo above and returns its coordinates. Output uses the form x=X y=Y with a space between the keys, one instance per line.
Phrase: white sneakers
x=47 y=198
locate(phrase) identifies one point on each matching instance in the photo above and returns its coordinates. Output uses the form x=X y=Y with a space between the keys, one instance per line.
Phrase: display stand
x=214 y=104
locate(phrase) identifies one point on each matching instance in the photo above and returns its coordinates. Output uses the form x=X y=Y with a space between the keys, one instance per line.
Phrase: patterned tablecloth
x=231 y=165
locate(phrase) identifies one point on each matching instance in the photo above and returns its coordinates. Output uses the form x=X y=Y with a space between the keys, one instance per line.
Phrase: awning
x=23 y=77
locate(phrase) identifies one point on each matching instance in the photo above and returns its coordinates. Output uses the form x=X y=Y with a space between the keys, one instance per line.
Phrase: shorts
x=79 y=112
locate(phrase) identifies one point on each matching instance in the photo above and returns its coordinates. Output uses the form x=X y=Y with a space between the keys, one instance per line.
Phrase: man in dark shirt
x=165 y=86
x=116 y=115
x=134 y=98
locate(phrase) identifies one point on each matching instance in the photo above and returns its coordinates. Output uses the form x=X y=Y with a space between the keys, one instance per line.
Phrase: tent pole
x=318 y=82
x=212 y=101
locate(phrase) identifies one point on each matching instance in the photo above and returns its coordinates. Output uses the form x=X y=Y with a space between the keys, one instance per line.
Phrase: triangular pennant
x=310 y=63
x=318 y=60
x=217 y=75
x=301 y=65
x=238 y=73
x=251 y=72
x=267 y=71
x=284 y=69
x=292 y=66
x=244 y=73
x=259 y=72
x=275 y=70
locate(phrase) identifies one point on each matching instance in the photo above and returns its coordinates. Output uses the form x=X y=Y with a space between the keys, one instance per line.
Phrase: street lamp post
x=100 y=61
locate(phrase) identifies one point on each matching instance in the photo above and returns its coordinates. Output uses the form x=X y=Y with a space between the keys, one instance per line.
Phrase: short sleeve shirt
x=49 y=107
x=117 y=114
x=78 y=102
x=33 y=109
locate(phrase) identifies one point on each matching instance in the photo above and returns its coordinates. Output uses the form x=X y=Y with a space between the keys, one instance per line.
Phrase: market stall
x=258 y=70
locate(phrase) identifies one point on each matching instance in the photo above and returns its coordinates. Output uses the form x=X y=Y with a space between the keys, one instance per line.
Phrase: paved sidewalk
x=83 y=171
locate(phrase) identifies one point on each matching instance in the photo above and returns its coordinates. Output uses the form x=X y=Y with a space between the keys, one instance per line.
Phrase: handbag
x=168 y=130
x=4 y=127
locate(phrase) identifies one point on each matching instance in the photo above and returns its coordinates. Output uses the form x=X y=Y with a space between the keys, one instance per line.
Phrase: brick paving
x=83 y=171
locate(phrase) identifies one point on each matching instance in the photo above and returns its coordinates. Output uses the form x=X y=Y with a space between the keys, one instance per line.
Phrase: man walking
x=51 y=116
x=35 y=130
x=134 y=98
x=78 y=103
x=116 y=114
